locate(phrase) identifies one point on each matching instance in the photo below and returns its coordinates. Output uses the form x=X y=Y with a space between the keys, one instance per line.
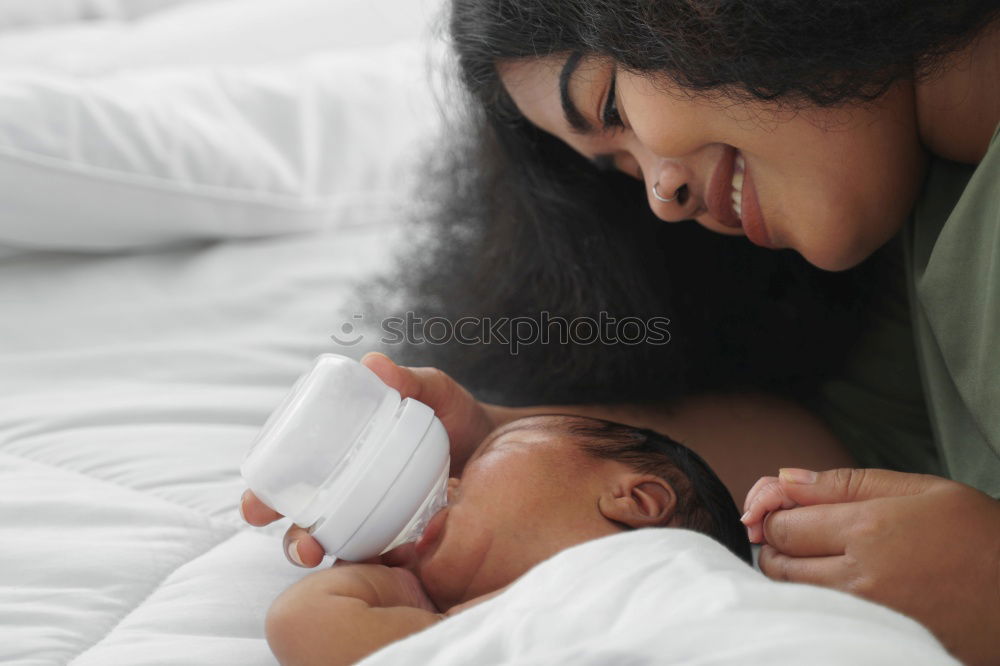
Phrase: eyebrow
x=573 y=115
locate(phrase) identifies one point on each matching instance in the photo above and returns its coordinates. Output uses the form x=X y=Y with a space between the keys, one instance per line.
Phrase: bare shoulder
x=747 y=436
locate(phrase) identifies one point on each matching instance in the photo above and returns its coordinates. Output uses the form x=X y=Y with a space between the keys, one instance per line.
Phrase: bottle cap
x=343 y=456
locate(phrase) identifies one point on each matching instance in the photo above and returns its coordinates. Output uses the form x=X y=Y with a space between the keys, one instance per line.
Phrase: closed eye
x=610 y=118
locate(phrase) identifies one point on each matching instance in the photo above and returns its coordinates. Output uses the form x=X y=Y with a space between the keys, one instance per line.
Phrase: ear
x=639 y=501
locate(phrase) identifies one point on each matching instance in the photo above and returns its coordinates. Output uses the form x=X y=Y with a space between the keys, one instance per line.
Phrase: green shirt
x=953 y=267
x=921 y=392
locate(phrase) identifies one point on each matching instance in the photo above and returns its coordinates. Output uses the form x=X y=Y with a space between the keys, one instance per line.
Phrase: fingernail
x=243 y=498
x=293 y=553
x=745 y=517
x=793 y=475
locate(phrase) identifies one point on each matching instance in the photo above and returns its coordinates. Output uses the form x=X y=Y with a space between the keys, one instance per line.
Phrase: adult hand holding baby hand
x=926 y=546
x=466 y=420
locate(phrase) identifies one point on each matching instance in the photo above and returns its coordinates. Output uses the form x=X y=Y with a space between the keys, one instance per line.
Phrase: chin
x=839 y=258
x=834 y=265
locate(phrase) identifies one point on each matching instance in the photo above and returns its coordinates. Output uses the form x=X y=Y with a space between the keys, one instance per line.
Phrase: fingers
x=256 y=512
x=850 y=485
x=398 y=377
x=301 y=548
x=430 y=386
x=465 y=419
x=762 y=483
x=764 y=497
x=812 y=531
x=830 y=571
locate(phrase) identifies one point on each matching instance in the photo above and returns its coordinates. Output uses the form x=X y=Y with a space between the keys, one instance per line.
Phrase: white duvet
x=148 y=325
x=664 y=596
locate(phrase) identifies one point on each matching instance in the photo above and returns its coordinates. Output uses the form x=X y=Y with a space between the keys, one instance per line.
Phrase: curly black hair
x=818 y=53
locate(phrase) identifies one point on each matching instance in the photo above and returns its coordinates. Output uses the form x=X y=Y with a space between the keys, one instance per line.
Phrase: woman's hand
x=926 y=546
x=466 y=420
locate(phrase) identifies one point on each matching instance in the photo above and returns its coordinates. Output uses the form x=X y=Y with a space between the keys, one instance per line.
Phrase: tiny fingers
x=756 y=489
x=766 y=496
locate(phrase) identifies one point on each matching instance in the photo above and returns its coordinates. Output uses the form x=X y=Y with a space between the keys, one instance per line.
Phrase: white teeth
x=738 y=186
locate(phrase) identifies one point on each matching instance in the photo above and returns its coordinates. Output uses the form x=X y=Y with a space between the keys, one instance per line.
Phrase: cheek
x=836 y=197
x=448 y=571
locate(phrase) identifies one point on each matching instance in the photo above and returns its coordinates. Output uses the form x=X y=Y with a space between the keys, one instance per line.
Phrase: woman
x=828 y=129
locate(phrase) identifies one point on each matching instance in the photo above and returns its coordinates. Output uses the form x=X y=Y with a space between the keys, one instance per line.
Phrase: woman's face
x=832 y=184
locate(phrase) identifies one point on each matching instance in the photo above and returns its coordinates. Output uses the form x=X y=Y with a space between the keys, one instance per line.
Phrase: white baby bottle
x=345 y=458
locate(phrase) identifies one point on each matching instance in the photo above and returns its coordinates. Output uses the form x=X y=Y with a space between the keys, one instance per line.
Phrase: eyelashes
x=610 y=118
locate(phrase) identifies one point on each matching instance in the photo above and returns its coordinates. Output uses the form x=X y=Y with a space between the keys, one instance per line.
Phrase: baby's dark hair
x=703 y=502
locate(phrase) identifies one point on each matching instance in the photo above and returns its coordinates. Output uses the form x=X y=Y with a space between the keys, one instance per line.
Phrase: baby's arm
x=764 y=497
x=344 y=613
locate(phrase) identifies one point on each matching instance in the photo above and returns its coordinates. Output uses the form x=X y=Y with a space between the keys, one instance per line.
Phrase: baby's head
x=541 y=484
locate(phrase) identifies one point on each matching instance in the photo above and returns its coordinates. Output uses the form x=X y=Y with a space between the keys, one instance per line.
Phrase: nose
x=668 y=190
x=667 y=183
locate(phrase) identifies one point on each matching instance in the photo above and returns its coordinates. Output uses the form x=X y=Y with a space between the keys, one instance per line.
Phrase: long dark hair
x=521 y=224
x=815 y=53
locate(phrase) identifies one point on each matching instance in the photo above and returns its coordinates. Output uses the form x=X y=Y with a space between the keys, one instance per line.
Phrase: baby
x=533 y=488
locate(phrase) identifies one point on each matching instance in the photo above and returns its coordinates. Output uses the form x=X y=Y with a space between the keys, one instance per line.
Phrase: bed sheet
x=131 y=387
x=665 y=596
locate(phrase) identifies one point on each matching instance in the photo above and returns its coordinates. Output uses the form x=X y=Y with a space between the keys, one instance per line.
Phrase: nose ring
x=660 y=197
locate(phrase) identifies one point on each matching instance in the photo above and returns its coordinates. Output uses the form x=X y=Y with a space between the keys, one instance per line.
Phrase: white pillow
x=159 y=156
x=211 y=32
x=33 y=13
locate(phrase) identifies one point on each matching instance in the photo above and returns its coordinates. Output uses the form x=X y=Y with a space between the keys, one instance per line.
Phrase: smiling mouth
x=738 y=168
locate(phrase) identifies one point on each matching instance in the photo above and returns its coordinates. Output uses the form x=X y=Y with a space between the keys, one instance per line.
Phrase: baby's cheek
x=448 y=571
x=438 y=582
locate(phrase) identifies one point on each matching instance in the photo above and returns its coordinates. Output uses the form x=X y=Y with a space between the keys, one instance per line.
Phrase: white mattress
x=132 y=382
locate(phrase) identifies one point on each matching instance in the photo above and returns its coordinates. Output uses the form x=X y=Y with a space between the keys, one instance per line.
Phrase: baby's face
x=527 y=493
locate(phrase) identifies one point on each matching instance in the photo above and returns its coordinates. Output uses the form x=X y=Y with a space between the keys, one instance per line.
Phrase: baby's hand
x=379 y=585
x=765 y=496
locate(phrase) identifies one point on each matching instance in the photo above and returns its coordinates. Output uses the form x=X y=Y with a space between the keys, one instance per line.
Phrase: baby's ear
x=639 y=501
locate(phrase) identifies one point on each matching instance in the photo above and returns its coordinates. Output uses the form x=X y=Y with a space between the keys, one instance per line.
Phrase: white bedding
x=131 y=384
x=130 y=389
x=665 y=596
